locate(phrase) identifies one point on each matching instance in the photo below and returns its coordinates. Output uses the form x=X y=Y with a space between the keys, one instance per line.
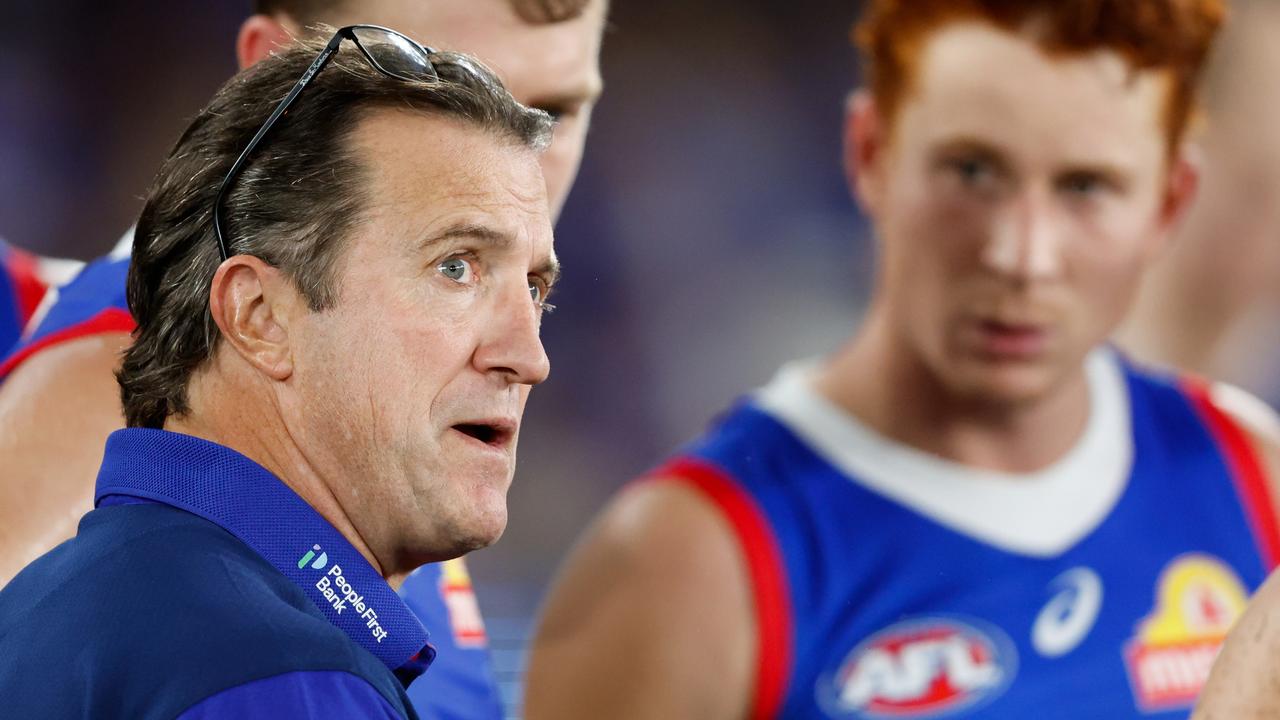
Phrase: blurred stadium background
x=709 y=238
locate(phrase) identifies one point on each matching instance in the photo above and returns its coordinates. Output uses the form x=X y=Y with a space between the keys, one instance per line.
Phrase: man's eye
x=455 y=269
x=538 y=292
x=1083 y=184
x=972 y=172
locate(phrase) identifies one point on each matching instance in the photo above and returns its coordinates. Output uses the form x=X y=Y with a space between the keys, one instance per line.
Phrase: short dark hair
x=292 y=205
x=537 y=12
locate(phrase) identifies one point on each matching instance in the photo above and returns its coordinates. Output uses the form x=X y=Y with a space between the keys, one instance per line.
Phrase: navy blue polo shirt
x=201 y=586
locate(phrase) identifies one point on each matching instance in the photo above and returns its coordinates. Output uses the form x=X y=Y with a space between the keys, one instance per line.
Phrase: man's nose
x=1026 y=241
x=512 y=346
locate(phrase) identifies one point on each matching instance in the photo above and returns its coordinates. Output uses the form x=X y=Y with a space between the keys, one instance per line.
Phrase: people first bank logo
x=1198 y=599
x=337 y=590
x=317 y=562
x=923 y=668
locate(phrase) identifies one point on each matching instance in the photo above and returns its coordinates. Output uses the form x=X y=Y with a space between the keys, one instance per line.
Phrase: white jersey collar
x=1040 y=513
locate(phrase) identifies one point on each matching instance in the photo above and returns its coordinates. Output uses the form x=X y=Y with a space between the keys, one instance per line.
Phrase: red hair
x=1163 y=35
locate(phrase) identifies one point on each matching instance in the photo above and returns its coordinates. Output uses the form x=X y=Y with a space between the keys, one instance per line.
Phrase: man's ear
x=1181 y=189
x=252 y=304
x=865 y=142
x=260 y=35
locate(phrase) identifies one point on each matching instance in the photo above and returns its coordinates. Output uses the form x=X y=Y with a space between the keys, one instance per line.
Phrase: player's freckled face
x=411 y=388
x=1018 y=201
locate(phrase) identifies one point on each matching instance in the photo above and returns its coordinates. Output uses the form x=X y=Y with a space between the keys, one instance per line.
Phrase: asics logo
x=1070 y=614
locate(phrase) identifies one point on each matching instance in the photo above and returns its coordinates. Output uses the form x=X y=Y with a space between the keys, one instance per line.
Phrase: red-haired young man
x=975 y=507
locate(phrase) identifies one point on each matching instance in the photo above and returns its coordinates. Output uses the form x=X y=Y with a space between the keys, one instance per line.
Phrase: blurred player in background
x=975 y=507
x=59 y=399
x=1211 y=304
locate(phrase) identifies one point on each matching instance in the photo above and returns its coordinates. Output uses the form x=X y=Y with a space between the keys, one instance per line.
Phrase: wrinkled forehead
x=422 y=169
x=535 y=60
x=977 y=81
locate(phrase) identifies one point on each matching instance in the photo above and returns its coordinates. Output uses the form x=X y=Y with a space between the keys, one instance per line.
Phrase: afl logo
x=921 y=668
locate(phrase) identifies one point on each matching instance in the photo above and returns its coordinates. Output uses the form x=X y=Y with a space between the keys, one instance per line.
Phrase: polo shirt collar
x=240 y=496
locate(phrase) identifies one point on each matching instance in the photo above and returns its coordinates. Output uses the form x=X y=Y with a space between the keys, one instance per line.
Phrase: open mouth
x=491 y=435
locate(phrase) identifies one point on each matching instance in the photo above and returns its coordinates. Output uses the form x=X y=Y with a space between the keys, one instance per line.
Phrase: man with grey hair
x=59 y=400
x=338 y=310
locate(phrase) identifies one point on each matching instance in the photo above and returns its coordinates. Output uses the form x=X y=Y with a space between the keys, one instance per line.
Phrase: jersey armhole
x=27 y=285
x=109 y=320
x=1246 y=468
x=770 y=589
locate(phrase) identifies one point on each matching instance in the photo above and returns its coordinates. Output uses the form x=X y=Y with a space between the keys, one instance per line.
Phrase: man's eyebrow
x=967 y=144
x=473 y=231
x=587 y=93
x=549 y=270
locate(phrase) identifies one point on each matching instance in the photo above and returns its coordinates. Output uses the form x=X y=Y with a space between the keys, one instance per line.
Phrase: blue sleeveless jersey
x=460 y=684
x=867 y=607
x=93 y=302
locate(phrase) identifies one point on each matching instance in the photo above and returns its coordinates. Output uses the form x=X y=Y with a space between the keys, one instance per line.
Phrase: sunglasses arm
x=316 y=66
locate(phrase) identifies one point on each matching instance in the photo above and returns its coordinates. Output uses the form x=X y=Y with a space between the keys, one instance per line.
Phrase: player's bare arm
x=55 y=412
x=1245 y=682
x=650 y=618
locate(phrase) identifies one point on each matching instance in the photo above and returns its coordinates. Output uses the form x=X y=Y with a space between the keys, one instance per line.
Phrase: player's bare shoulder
x=1260 y=424
x=1254 y=415
x=56 y=410
x=656 y=594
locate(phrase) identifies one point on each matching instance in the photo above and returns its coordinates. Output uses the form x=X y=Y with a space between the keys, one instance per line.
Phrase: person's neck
x=246 y=418
x=882 y=383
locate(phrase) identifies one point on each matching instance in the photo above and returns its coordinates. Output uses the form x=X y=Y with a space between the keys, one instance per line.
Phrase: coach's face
x=550 y=66
x=410 y=389
x=1018 y=197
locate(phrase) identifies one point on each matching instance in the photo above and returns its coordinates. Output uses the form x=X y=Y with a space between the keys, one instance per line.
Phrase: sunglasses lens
x=395 y=55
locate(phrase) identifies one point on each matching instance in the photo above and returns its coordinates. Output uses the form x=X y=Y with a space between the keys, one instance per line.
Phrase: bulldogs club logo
x=1198 y=599
x=922 y=668
x=460 y=599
